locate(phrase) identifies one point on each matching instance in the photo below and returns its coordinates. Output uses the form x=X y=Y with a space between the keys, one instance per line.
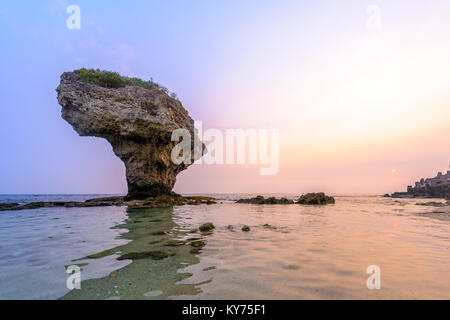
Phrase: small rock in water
x=209 y=268
x=273 y=200
x=158 y=233
x=8 y=205
x=155 y=255
x=291 y=267
x=261 y=200
x=195 y=250
x=175 y=243
x=230 y=227
x=246 y=228
x=198 y=244
x=193 y=239
x=100 y=254
x=206 y=227
x=315 y=199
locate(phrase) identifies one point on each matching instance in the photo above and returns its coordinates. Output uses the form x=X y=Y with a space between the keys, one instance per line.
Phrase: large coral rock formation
x=137 y=121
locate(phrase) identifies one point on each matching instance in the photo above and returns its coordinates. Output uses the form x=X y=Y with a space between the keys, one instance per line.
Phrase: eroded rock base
x=162 y=201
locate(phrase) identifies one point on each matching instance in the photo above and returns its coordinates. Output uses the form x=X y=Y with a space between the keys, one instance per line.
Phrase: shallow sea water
x=291 y=251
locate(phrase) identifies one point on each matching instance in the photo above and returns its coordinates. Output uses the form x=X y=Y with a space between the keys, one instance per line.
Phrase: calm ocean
x=290 y=252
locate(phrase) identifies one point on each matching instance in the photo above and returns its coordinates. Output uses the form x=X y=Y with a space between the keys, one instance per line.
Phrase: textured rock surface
x=138 y=122
x=315 y=199
x=309 y=198
x=262 y=200
x=160 y=201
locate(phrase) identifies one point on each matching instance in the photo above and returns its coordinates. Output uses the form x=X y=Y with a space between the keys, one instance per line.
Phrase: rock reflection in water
x=158 y=251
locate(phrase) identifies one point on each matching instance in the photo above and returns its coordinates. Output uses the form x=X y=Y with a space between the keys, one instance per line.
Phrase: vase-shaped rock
x=138 y=122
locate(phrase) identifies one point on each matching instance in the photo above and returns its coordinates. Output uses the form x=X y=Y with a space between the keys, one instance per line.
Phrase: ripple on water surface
x=290 y=252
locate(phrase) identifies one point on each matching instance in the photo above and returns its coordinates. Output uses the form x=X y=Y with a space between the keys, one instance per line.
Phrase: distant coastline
x=437 y=187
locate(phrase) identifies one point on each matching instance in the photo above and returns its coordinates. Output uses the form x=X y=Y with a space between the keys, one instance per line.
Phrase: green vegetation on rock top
x=110 y=79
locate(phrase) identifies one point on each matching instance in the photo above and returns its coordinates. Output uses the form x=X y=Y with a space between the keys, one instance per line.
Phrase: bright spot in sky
x=394 y=170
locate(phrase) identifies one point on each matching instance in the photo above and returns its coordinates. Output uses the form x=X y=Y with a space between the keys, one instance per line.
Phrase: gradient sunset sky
x=351 y=102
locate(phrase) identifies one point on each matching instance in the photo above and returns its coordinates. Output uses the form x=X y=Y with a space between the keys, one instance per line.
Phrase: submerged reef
x=161 y=201
x=262 y=200
x=308 y=199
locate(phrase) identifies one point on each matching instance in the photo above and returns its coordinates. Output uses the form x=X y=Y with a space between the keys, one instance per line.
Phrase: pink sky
x=352 y=101
x=368 y=113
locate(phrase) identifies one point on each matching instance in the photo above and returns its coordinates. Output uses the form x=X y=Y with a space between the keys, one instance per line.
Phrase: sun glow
x=380 y=90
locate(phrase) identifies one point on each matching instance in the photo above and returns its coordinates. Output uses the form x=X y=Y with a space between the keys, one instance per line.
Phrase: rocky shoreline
x=437 y=187
x=162 y=201
x=319 y=198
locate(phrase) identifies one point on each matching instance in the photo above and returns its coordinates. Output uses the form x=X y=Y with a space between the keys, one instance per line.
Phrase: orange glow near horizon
x=347 y=116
